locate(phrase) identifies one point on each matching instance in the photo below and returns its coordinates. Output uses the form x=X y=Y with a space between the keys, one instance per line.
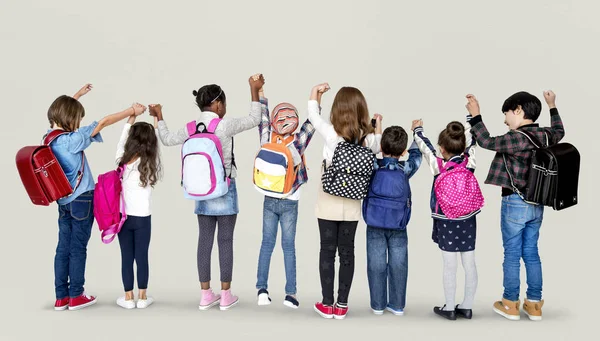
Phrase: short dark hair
x=453 y=139
x=66 y=112
x=531 y=105
x=209 y=94
x=394 y=141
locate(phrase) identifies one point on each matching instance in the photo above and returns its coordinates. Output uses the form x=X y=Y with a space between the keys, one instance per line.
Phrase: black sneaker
x=291 y=302
x=466 y=313
x=448 y=314
x=263 y=297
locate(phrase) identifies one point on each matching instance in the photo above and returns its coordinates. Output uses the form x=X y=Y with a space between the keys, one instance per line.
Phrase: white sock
x=533 y=301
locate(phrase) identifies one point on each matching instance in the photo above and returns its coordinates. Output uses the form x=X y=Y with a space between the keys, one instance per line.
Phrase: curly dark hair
x=143 y=144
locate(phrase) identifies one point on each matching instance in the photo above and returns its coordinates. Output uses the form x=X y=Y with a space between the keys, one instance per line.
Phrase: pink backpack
x=457 y=190
x=109 y=205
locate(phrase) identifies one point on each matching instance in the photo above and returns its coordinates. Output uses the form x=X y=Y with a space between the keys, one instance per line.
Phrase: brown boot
x=533 y=309
x=508 y=309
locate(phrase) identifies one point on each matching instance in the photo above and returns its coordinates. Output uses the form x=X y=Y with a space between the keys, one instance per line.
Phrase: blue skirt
x=225 y=205
x=455 y=235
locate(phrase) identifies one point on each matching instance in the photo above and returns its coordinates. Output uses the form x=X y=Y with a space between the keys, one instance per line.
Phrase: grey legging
x=206 y=237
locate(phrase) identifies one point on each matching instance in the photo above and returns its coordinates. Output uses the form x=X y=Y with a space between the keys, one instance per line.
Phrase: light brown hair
x=350 y=115
x=65 y=112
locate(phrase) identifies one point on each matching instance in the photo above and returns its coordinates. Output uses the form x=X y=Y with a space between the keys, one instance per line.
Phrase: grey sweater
x=225 y=131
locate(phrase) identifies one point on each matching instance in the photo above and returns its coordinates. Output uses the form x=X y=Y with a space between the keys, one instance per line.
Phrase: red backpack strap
x=50 y=137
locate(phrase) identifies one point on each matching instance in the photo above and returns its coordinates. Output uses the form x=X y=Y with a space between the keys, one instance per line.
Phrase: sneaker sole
x=507 y=316
x=377 y=312
x=339 y=317
x=264 y=299
x=61 y=308
x=206 y=307
x=323 y=315
x=143 y=306
x=290 y=305
x=229 y=306
x=397 y=313
x=83 y=305
x=531 y=317
x=126 y=307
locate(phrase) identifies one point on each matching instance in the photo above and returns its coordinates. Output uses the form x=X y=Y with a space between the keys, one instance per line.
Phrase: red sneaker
x=339 y=313
x=62 y=304
x=326 y=311
x=81 y=302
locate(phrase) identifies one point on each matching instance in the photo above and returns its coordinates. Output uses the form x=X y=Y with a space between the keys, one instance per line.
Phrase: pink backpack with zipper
x=457 y=190
x=109 y=205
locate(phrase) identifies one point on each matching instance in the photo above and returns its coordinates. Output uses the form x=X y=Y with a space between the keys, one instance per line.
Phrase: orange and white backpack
x=274 y=169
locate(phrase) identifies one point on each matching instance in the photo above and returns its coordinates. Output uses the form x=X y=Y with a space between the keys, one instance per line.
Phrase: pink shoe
x=209 y=299
x=228 y=300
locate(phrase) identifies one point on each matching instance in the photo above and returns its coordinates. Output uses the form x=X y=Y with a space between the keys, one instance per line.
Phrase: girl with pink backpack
x=456 y=199
x=139 y=166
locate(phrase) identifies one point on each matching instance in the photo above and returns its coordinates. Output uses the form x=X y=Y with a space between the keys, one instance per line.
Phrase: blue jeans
x=520 y=224
x=387 y=267
x=275 y=212
x=225 y=205
x=75 y=221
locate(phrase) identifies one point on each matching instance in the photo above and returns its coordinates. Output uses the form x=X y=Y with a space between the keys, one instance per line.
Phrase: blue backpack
x=388 y=201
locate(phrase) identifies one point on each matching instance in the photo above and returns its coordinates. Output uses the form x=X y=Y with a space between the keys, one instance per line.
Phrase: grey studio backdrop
x=411 y=60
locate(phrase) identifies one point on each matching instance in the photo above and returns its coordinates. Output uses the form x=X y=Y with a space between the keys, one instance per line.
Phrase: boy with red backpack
x=456 y=199
x=279 y=171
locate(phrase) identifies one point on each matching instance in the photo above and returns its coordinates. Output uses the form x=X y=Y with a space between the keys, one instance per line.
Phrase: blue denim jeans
x=520 y=224
x=387 y=267
x=276 y=212
x=225 y=205
x=75 y=221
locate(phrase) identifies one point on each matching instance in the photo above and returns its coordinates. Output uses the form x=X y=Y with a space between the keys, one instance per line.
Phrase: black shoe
x=448 y=314
x=466 y=313
x=291 y=302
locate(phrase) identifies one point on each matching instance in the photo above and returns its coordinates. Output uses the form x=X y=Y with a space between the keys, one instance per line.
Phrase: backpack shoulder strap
x=53 y=135
x=534 y=140
x=191 y=128
x=440 y=164
x=212 y=126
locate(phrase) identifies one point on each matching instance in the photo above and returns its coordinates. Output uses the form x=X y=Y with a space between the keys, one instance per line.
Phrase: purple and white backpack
x=203 y=175
x=457 y=190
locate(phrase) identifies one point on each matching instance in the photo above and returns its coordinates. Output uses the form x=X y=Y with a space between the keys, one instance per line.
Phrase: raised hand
x=472 y=105
x=257 y=81
x=156 y=111
x=416 y=124
x=550 y=98
x=83 y=91
x=138 y=109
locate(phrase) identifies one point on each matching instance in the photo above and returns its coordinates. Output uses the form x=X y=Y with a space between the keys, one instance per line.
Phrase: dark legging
x=134 y=240
x=207 y=226
x=336 y=236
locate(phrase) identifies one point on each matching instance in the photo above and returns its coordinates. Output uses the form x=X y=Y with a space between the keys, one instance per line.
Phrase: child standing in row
x=75 y=218
x=280 y=203
x=337 y=216
x=387 y=211
x=138 y=156
x=221 y=211
x=520 y=221
x=453 y=234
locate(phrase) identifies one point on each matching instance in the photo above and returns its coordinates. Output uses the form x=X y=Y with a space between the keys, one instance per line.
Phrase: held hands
x=416 y=124
x=257 y=81
x=550 y=98
x=156 y=111
x=472 y=105
x=83 y=91
x=138 y=109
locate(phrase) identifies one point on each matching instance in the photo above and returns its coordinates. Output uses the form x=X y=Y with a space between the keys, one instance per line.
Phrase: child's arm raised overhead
x=264 y=128
x=411 y=166
x=557 y=129
x=425 y=146
x=123 y=139
x=240 y=124
x=167 y=137
x=374 y=141
x=470 y=143
x=136 y=109
x=83 y=91
x=508 y=143
x=314 y=115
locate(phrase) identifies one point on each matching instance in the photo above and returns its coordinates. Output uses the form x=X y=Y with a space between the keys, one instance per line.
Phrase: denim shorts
x=225 y=205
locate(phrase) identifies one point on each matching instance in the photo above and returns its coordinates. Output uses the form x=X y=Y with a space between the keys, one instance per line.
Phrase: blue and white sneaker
x=263 y=297
x=397 y=312
x=291 y=301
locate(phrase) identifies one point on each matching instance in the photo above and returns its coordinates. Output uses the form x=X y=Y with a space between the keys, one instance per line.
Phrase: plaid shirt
x=301 y=140
x=516 y=147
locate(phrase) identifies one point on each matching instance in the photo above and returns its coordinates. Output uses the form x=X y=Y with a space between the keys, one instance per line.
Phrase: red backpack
x=41 y=174
x=109 y=205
